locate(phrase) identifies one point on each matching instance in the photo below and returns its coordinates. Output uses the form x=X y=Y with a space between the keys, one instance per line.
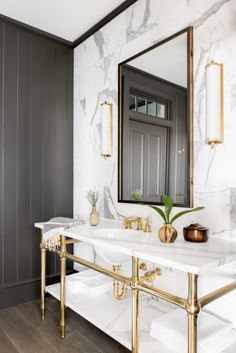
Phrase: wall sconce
x=107 y=129
x=214 y=104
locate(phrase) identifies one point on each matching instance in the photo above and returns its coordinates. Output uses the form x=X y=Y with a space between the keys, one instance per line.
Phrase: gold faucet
x=150 y=276
x=147 y=228
x=129 y=220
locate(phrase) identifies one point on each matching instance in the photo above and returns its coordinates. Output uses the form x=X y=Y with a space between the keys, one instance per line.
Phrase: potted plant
x=92 y=197
x=137 y=195
x=168 y=233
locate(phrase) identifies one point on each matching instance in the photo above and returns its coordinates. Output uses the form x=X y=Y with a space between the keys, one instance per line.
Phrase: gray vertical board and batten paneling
x=36 y=153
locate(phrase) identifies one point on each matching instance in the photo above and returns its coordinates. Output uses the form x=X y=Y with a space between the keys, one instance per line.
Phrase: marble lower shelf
x=114 y=317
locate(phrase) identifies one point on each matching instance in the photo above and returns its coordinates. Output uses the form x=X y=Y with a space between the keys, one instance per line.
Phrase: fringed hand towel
x=53 y=228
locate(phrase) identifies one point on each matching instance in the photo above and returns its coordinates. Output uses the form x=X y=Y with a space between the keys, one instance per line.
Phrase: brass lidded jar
x=196 y=233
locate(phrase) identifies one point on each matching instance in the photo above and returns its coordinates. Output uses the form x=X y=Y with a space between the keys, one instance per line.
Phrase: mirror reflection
x=154 y=147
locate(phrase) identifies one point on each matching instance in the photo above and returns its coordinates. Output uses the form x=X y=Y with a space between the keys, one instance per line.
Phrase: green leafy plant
x=168 y=205
x=137 y=194
x=93 y=197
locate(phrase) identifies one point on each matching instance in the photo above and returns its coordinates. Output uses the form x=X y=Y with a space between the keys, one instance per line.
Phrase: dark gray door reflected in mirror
x=155 y=122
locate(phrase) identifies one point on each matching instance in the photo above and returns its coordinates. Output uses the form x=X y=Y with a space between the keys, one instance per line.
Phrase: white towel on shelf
x=214 y=334
x=88 y=282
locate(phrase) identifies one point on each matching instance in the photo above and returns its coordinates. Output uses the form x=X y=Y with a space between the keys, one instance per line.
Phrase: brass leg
x=135 y=316
x=43 y=275
x=193 y=309
x=63 y=285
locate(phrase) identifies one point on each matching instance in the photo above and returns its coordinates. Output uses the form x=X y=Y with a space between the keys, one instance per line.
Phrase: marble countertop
x=184 y=256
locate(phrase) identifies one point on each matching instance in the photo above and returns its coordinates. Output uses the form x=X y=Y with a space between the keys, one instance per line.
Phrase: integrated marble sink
x=113 y=233
x=113 y=257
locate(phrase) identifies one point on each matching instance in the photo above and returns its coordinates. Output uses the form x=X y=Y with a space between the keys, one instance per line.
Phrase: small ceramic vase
x=167 y=233
x=94 y=217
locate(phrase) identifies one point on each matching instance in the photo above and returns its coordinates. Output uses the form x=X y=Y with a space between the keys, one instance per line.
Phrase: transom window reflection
x=148 y=106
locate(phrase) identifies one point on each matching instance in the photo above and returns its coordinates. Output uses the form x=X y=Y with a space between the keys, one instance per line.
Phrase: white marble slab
x=181 y=255
x=116 y=322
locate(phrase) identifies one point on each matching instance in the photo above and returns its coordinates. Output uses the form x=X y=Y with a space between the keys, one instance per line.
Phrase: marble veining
x=137 y=21
x=96 y=79
x=210 y=12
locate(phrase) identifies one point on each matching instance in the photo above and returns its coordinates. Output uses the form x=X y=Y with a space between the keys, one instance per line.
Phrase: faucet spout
x=129 y=220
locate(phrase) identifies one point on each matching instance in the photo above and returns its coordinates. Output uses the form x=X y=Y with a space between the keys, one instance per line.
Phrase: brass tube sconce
x=214 y=103
x=107 y=129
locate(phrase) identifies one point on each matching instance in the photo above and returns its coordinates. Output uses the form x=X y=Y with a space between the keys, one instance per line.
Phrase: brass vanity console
x=192 y=304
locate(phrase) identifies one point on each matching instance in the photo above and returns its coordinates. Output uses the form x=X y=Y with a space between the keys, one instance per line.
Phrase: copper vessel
x=167 y=233
x=196 y=233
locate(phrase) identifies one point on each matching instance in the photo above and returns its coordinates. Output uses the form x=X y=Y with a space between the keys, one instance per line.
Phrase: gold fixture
x=63 y=284
x=143 y=266
x=193 y=309
x=117 y=294
x=147 y=227
x=43 y=276
x=151 y=275
x=128 y=222
x=107 y=129
x=135 y=304
x=214 y=103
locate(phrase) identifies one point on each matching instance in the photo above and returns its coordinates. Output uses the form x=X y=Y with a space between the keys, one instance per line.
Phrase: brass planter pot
x=167 y=233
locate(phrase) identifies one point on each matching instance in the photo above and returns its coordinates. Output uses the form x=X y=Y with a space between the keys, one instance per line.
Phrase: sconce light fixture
x=107 y=129
x=214 y=104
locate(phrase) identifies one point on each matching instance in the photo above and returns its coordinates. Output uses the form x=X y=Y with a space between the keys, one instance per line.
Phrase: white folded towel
x=88 y=282
x=214 y=334
x=53 y=228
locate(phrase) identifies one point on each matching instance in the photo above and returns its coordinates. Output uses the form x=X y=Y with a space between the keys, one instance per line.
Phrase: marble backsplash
x=96 y=80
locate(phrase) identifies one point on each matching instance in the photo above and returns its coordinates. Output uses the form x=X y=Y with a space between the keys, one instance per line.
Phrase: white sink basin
x=113 y=257
x=117 y=233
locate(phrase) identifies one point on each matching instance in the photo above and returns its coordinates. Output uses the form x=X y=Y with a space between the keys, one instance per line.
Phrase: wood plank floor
x=22 y=331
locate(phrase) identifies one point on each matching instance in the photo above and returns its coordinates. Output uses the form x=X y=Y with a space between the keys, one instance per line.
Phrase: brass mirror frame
x=189 y=31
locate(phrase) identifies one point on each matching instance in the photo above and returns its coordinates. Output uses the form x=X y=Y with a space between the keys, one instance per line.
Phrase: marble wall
x=95 y=80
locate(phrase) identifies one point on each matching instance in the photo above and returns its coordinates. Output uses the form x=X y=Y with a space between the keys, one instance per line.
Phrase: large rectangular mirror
x=155 y=122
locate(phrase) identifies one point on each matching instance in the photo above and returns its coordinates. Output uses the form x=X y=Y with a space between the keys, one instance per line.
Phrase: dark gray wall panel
x=1 y=154
x=36 y=146
x=10 y=163
x=24 y=91
x=36 y=154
